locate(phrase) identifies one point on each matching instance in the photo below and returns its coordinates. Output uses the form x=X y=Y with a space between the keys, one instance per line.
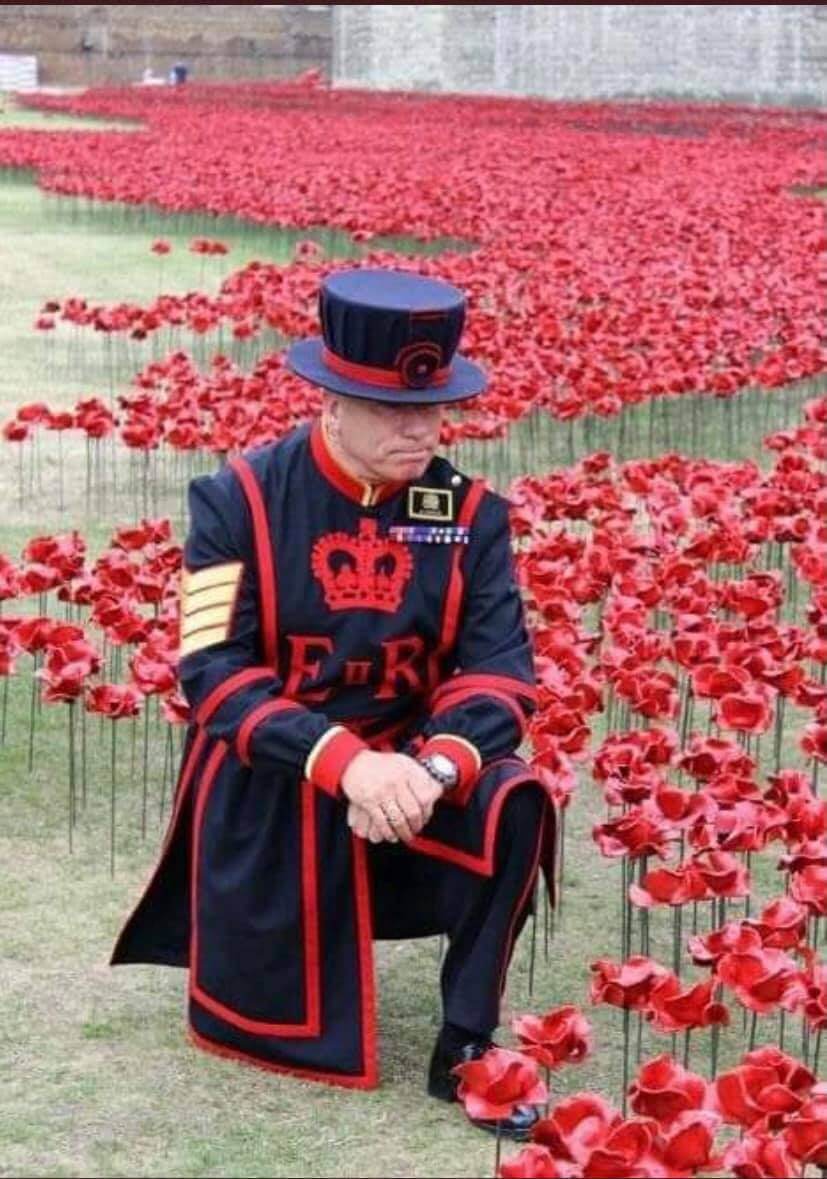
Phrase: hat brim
x=305 y=359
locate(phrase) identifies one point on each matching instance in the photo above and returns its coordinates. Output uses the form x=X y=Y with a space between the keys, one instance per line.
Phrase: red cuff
x=330 y=757
x=465 y=756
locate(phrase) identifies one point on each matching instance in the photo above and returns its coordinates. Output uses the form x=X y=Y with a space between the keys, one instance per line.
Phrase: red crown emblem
x=361 y=571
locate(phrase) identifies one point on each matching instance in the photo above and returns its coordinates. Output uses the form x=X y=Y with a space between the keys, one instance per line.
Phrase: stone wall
x=768 y=53
x=87 y=44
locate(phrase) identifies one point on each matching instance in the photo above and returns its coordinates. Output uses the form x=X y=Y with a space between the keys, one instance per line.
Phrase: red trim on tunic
x=254 y=718
x=333 y=759
x=508 y=944
x=484 y=681
x=345 y=1080
x=482 y=863
x=367 y=989
x=369 y=1077
x=449 y=702
x=310 y=1027
x=182 y=789
x=453 y=596
x=341 y=479
x=239 y=679
x=267 y=584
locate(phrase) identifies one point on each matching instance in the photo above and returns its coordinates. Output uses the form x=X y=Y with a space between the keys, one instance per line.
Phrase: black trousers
x=418 y=896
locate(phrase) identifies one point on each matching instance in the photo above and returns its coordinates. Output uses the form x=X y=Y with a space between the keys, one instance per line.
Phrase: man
x=354 y=653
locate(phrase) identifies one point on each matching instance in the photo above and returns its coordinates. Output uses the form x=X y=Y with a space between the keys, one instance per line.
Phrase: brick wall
x=768 y=53
x=85 y=44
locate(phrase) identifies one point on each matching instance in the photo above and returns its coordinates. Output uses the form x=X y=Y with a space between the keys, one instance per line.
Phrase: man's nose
x=417 y=425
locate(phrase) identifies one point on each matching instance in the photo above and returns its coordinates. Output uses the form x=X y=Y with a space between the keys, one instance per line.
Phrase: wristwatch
x=442 y=769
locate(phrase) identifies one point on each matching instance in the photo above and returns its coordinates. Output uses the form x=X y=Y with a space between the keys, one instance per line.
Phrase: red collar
x=365 y=494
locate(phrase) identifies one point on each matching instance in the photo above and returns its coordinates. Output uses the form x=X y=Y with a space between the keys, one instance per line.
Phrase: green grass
x=13 y=114
x=96 y=1077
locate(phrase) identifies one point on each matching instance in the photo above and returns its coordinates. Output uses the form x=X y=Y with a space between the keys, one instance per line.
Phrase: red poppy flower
x=33 y=411
x=814 y=741
x=663 y=1090
x=686 y=1144
x=805 y=820
x=672 y=1009
x=786 y=785
x=809 y=887
x=640 y=832
x=33 y=633
x=116 y=701
x=782 y=924
x=809 y=854
x=562 y=1036
x=805 y=1134
x=734 y=936
x=533 y=1162
x=492 y=1087
x=763 y=979
x=176 y=710
x=768 y=1084
x=628 y=1149
x=711 y=680
x=747 y=711
x=681 y=808
x=152 y=676
x=669 y=886
x=626 y=984
x=38 y=579
x=722 y=874
x=576 y=1126
x=815 y=981
x=707 y=756
x=760 y=1156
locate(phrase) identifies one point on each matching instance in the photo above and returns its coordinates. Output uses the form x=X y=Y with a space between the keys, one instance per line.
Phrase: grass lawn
x=96 y=1075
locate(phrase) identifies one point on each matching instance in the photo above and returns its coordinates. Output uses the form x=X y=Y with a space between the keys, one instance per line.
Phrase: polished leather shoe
x=443 y=1085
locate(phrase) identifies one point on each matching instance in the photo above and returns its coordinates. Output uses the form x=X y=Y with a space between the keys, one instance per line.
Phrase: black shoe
x=443 y=1085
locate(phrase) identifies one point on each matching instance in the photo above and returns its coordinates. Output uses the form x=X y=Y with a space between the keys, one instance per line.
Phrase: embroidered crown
x=361 y=571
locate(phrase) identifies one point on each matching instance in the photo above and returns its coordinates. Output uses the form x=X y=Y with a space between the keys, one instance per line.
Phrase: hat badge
x=417 y=363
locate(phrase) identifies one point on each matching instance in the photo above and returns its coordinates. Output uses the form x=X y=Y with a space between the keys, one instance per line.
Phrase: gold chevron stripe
x=227 y=573
x=199 y=639
x=214 y=595
x=218 y=614
x=207 y=600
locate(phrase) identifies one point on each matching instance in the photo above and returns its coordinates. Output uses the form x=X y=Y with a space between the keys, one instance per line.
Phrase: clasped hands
x=391 y=796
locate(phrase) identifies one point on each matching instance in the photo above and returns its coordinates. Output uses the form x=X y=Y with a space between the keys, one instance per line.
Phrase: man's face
x=388 y=443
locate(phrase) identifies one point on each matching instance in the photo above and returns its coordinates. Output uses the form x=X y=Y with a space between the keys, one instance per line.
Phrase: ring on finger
x=394 y=816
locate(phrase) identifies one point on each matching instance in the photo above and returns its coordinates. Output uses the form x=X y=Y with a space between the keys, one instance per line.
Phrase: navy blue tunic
x=312 y=629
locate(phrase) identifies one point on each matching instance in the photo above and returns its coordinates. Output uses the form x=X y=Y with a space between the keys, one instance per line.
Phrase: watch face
x=443 y=764
x=444 y=767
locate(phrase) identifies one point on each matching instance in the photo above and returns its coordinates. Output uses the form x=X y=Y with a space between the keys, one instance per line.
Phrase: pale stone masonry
x=767 y=53
x=91 y=44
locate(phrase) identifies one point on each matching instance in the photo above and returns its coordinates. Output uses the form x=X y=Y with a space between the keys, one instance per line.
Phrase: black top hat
x=388 y=335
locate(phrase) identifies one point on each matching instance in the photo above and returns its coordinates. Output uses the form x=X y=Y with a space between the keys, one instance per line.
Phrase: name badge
x=430 y=503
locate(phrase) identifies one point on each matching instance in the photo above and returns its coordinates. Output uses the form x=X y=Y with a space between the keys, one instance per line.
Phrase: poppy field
x=646 y=288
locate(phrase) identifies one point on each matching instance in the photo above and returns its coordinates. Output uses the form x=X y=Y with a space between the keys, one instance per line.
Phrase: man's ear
x=331 y=407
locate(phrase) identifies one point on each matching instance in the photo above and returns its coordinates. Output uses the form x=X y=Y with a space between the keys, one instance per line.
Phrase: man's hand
x=392 y=796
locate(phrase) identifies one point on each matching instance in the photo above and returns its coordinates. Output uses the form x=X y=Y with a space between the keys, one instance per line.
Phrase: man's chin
x=405 y=472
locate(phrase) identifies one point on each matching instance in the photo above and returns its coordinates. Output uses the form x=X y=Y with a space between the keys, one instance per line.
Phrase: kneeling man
x=355 y=657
